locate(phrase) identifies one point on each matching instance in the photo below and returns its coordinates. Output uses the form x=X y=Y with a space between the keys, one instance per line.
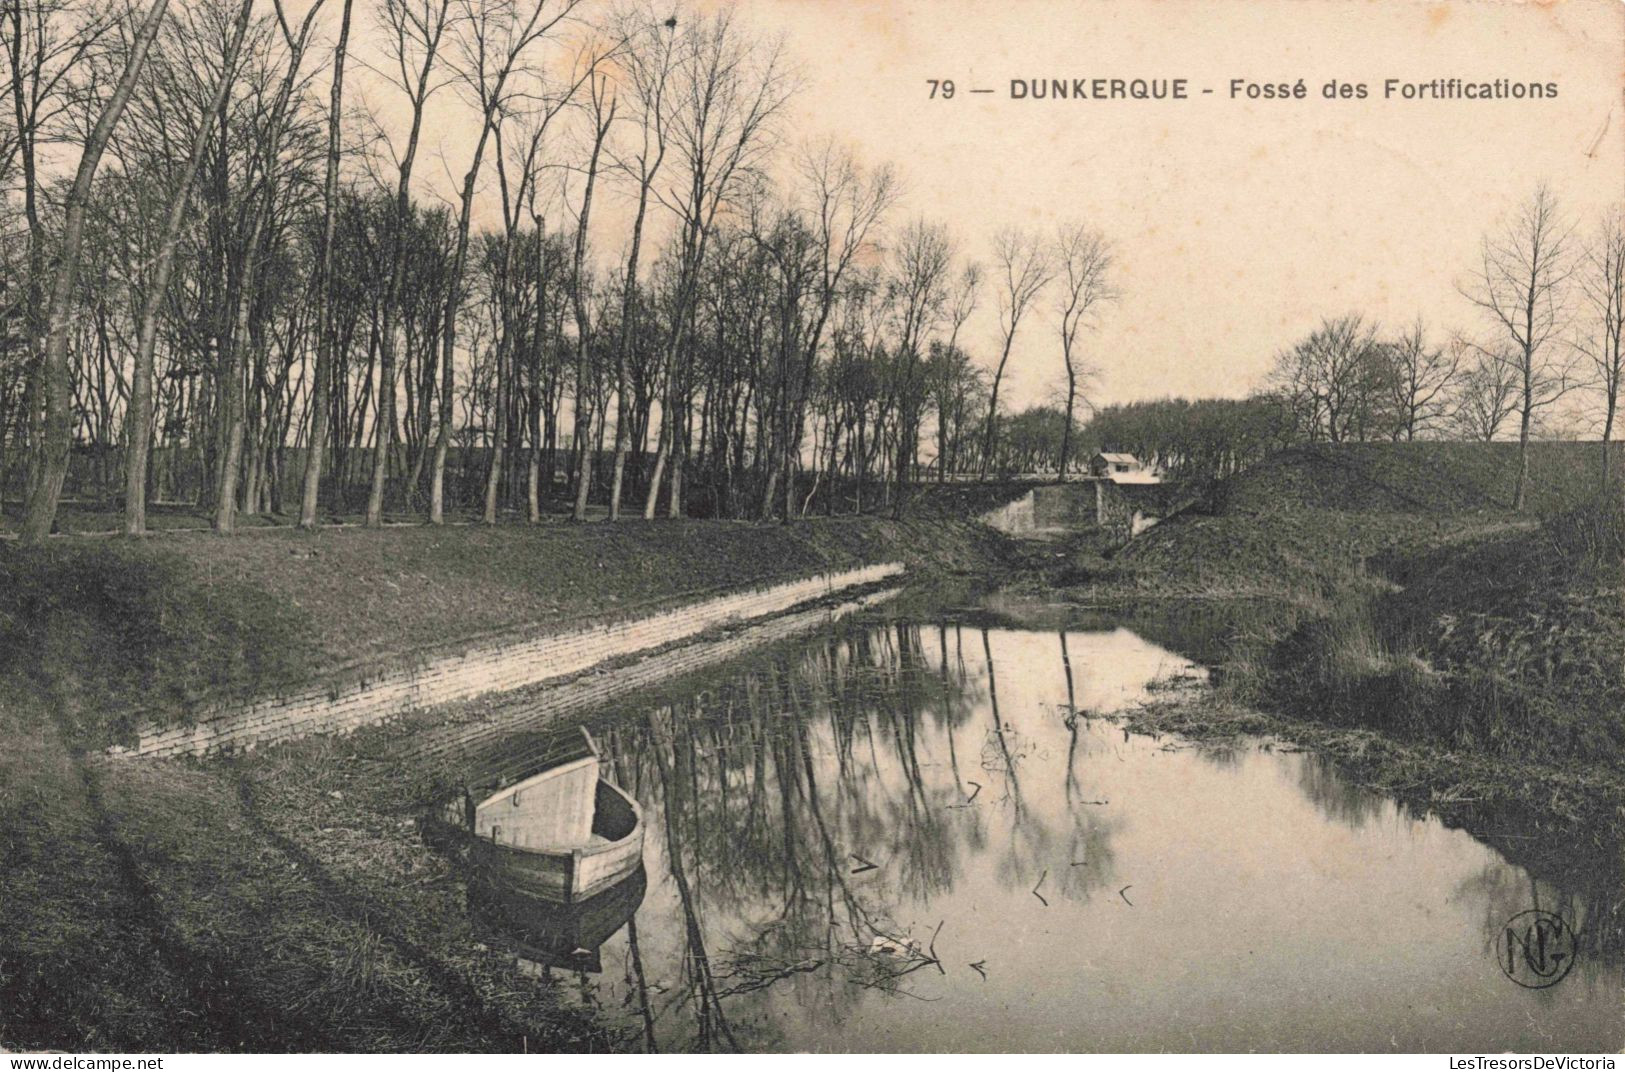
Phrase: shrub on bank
x=1513 y=643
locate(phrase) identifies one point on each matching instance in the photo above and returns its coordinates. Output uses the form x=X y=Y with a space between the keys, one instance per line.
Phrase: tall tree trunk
x=661 y=450
x=789 y=481
x=385 y=409
x=617 y=479
x=1071 y=403
x=138 y=418
x=1521 y=495
x=861 y=460
x=578 y=301
x=629 y=309
x=533 y=473
x=1608 y=434
x=323 y=375
x=34 y=315
x=993 y=403
x=234 y=367
x=442 y=442
x=678 y=445
x=670 y=444
x=448 y=333
x=51 y=459
x=908 y=435
x=243 y=339
x=493 y=480
x=1524 y=416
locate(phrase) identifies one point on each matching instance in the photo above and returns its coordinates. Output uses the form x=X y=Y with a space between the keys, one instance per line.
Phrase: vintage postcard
x=835 y=526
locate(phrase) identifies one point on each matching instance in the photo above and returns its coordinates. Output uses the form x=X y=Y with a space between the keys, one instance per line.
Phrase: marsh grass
x=1512 y=643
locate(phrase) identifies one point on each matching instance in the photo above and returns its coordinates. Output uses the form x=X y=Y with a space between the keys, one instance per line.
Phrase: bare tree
x=1025 y=267
x=1085 y=260
x=1485 y=397
x=138 y=418
x=808 y=252
x=645 y=68
x=1335 y=380
x=728 y=91
x=1421 y=381
x=261 y=193
x=50 y=461
x=917 y=290
x=46 y=43
x=519 y=199
x=948 y=363
x=1521 y=285
x=492 y=43
x=1602 y=284
x=416 y=29
x=603 y=105
x=323 y=372
x=525 y=198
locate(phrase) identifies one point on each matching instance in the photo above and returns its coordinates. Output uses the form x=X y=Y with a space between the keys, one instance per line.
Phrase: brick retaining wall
x=495 y=667
x=491 y=739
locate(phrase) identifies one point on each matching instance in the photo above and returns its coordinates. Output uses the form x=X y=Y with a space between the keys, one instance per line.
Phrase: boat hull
x=566 y=876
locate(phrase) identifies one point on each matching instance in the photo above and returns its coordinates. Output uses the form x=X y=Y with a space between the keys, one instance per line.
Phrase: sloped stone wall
x=326 y=707
x=489 y=740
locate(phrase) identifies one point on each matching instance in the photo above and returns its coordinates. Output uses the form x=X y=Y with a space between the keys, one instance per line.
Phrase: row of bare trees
x=235 y=286
x=1348 y=381
x=1554 y=302
x=277 y=305
x=1552 y=305
x=1546 y=360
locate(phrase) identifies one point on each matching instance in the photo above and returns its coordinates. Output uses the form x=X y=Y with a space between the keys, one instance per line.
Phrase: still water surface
x=930 y=837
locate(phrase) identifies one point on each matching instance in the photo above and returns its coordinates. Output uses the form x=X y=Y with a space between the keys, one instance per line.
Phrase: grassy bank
x=1391 y=588
x=116 y=631
x=284 y=901
x=1511 y=643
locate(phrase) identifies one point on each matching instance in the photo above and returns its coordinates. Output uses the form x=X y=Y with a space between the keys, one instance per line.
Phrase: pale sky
x=1237 y=223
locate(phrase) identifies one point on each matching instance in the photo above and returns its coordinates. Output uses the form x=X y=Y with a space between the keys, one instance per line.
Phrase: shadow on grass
x=91 y=626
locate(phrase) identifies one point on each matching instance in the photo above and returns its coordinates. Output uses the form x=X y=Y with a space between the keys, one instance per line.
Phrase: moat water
x=910 y=833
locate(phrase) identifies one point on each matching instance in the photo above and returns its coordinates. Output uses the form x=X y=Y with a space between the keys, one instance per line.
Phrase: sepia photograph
x=928 y=527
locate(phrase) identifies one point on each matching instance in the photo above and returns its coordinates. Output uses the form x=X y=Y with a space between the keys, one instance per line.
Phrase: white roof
x=1111 y=457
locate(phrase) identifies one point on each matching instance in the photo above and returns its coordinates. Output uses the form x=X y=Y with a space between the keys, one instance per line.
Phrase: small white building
x=1121 y=469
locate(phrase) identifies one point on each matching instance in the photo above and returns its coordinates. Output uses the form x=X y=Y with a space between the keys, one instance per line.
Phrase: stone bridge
x=1125 y=510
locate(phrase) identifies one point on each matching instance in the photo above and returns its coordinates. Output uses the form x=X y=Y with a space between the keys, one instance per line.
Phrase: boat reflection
x=934 y=837
x=551 y=933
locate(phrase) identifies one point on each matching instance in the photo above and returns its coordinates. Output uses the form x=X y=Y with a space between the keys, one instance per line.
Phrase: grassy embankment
x=1392 y=588
x=284 y=900
x=90 y=517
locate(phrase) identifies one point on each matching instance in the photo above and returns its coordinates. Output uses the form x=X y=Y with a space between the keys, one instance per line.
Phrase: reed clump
x=1512 y=643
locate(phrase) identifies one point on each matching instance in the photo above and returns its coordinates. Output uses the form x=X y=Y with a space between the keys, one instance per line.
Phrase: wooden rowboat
x=562 y=834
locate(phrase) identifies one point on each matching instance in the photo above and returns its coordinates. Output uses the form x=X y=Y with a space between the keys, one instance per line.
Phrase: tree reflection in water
x=827 y=824
x=795 y=806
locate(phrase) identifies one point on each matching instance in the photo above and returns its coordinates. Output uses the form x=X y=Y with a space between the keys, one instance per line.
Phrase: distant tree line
x=1550 y=300
x=1552 y=305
